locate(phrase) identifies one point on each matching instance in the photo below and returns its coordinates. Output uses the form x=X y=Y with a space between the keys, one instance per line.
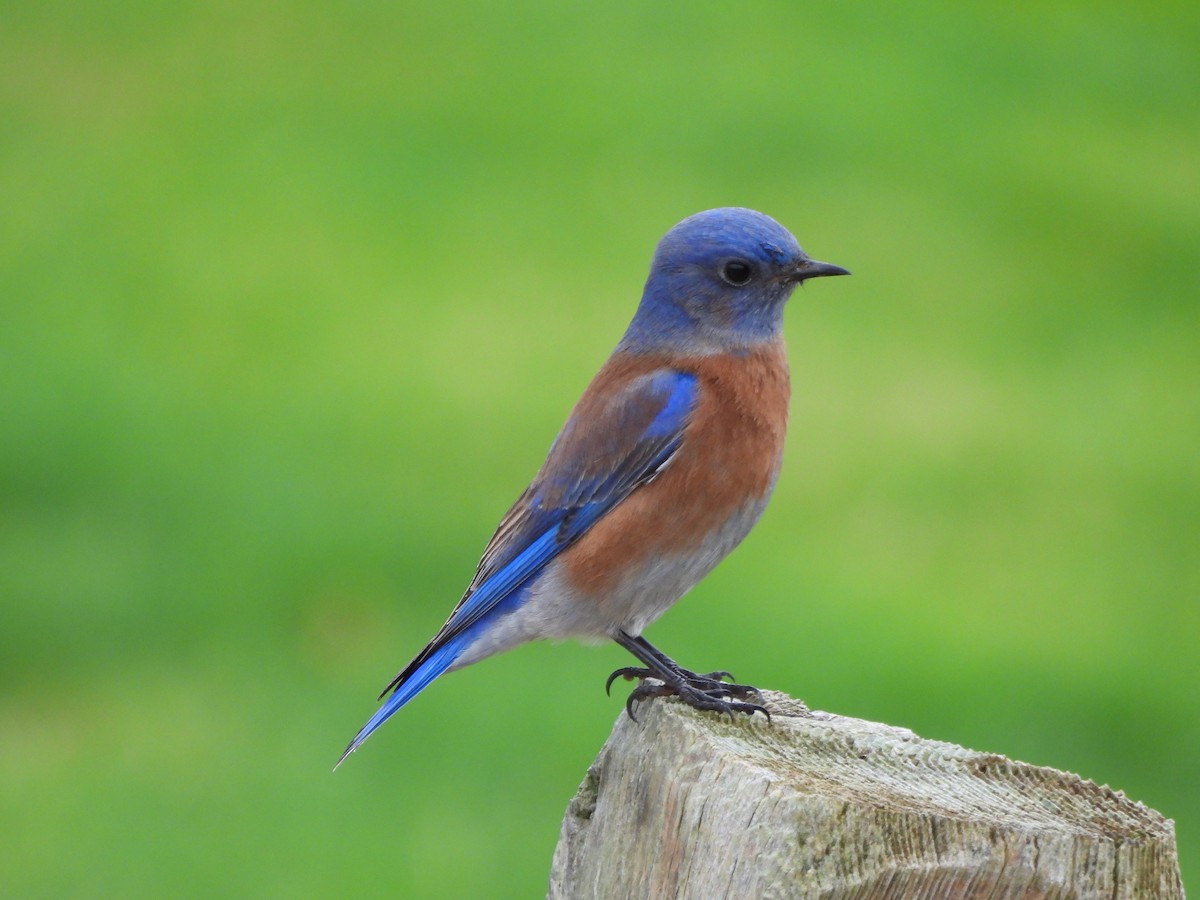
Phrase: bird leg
x=668 y=678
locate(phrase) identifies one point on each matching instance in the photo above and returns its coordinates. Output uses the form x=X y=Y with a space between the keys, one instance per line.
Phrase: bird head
x=718 y=283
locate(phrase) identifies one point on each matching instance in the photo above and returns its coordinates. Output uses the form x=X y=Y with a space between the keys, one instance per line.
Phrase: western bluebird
x=665 y=464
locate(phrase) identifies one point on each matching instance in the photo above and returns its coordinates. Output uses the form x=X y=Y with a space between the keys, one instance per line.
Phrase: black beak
x=810 y=268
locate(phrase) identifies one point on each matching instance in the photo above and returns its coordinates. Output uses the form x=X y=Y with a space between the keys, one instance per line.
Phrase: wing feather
x=611 y=445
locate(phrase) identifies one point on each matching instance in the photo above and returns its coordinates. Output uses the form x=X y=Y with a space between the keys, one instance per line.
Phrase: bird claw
x=708 y=691
x=628 y=673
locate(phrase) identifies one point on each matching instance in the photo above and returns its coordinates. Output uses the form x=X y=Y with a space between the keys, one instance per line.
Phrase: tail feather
x=415 y=682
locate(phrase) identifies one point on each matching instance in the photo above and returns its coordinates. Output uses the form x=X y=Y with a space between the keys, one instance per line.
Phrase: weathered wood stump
x=694 y=805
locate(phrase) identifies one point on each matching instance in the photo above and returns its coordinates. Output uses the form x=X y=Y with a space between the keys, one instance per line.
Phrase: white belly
x=554 y=609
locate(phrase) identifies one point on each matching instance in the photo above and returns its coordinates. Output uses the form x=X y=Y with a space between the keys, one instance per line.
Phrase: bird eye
x=737 y=272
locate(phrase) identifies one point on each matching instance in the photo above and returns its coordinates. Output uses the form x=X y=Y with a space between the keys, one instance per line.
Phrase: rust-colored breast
x=728 y=460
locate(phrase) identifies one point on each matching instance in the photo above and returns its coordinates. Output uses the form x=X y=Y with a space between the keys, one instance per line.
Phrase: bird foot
x=708 y=691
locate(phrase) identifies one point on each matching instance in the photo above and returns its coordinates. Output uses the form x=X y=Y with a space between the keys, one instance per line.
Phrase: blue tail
x=412 y=684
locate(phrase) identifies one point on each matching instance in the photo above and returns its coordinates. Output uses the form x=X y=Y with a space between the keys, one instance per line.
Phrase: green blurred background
x=295 y=296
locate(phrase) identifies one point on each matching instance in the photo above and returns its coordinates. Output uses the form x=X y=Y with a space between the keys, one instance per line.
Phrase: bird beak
x=810 y=268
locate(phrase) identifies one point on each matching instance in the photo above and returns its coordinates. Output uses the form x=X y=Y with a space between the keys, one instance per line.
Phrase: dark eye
x=737 y=272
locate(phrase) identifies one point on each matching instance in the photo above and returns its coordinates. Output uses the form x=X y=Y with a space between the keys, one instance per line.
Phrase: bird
x=664 y=465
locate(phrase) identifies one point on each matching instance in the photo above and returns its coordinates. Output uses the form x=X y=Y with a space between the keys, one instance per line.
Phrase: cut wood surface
x=684 y=804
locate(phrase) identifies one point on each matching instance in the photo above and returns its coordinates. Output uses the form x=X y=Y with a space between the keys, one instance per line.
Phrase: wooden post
x=682 y=804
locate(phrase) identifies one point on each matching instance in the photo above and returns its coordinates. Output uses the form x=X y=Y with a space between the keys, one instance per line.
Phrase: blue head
x=718 y=283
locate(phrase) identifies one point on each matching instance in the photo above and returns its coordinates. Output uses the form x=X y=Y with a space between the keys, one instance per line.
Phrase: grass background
x=294 y=298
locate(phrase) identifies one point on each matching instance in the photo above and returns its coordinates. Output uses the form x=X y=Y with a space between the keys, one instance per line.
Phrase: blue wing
x=614 y=442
